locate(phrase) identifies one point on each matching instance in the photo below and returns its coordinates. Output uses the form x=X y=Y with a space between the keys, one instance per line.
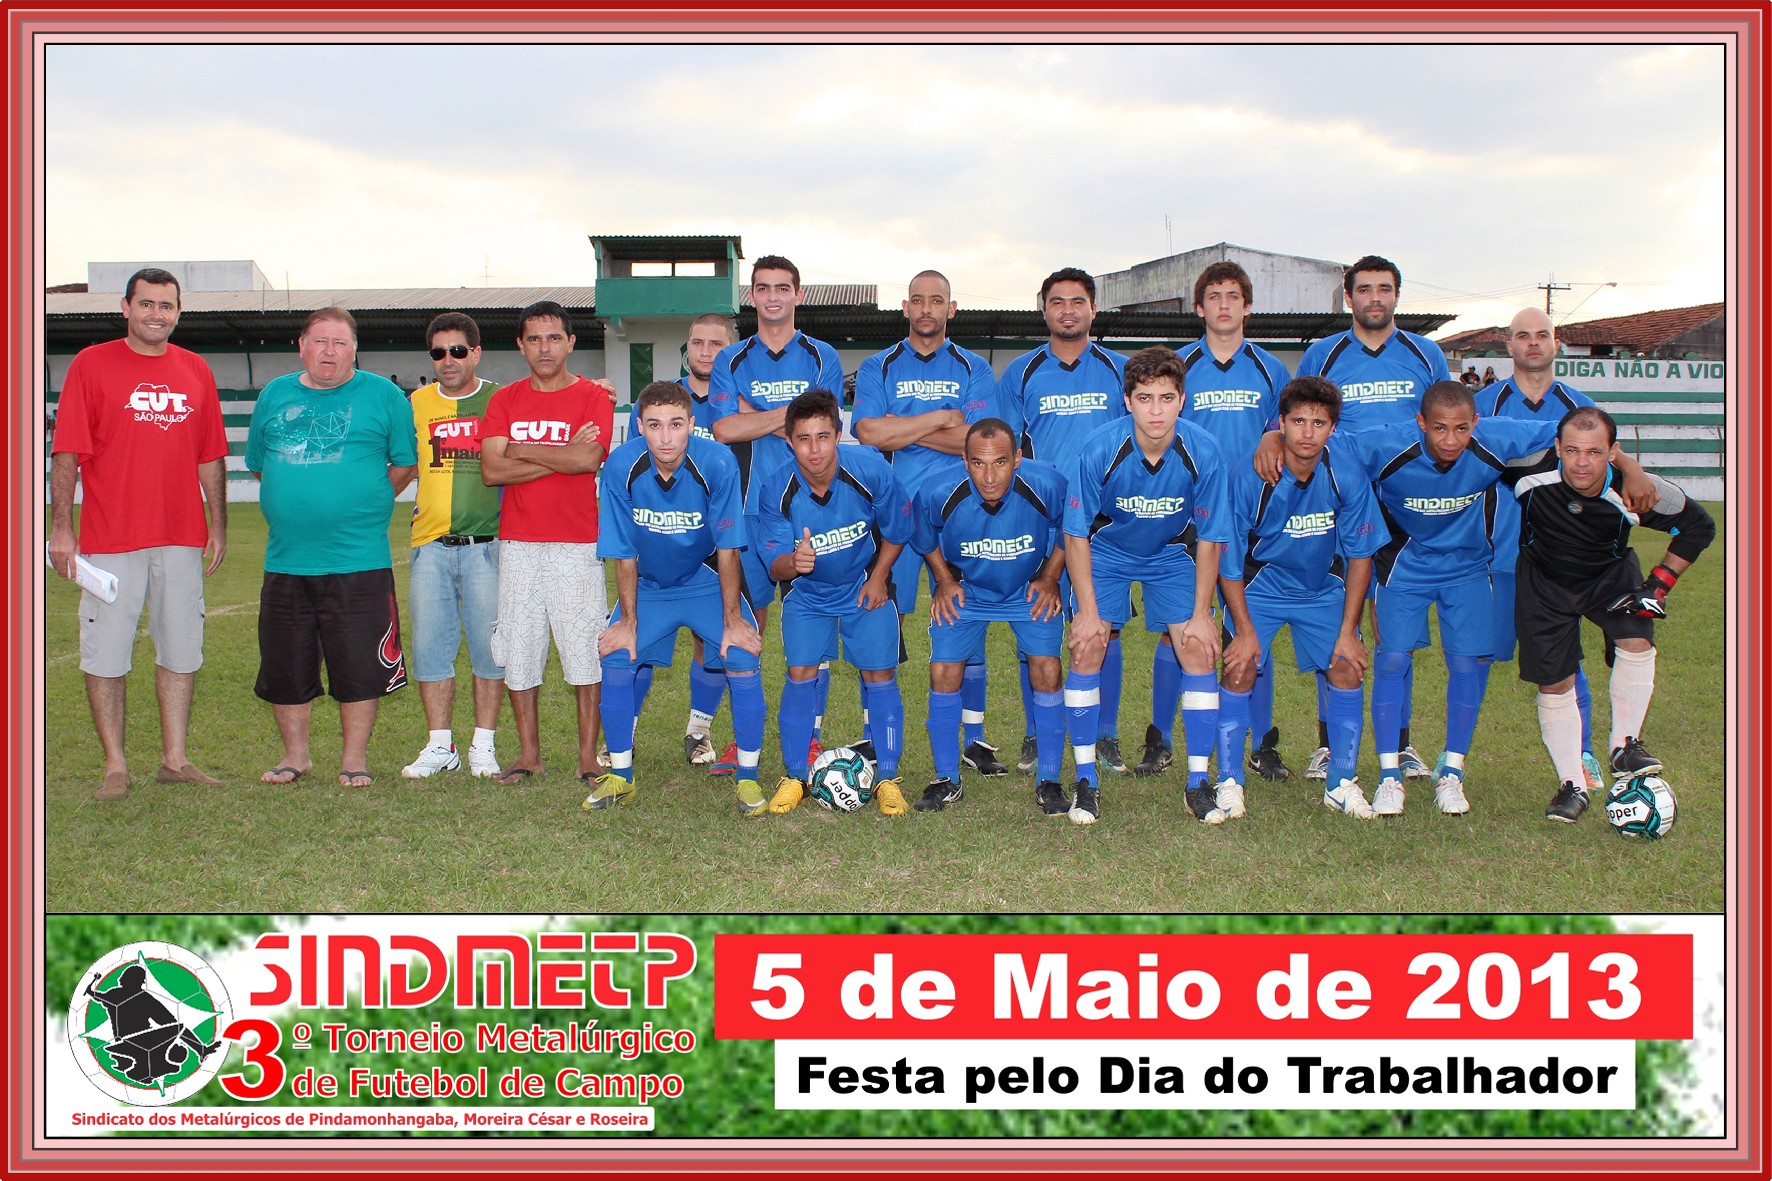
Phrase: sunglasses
x=458 y=351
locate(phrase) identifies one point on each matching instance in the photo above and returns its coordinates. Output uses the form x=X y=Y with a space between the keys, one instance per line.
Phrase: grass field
x=455 y=843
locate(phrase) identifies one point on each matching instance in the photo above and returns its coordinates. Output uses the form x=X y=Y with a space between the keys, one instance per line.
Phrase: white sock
x=1559 y=722
x=1633 y=684
x=483 y=737
x=698 y=723
x=442 y=738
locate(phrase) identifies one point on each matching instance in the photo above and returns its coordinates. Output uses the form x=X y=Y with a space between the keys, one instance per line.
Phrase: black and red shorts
x=351 y=621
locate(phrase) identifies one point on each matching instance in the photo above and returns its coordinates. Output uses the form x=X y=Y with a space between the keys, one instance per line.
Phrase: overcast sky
x=1479 y=169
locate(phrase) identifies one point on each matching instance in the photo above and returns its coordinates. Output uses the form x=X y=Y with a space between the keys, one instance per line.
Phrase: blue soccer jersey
x=863 y=508
x=1378 y=386
x=903 y=382
x=1053 y=406
x=702 y=414
x=994 y=550
x=749 y=372
x=672 y=525
x=1504 y=400
x=1133 y=510
x=1440 y=517
x=1292 y=540
x=1234 y=400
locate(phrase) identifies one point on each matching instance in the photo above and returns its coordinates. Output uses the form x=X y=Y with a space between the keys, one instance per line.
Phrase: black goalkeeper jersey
x=1571 y=538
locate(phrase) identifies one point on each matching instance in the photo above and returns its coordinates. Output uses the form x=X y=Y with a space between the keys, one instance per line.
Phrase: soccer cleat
x=1107 y=754
x=1265 y=759
x=1086 y=807
x=611 y=790
x=1449 y=795
x=1318 y=767
x=1051 y=798
x=750 y=799
x=432 y=759
x=699 y=749
x=1202 y=801
x=981 y=756
x=1412 y=765
x=727 y=764
x=1567 y=805
x=1030 y=755
x=864 y=748
x=1590 y=767
x=1631 y=759
x=812 y=753
x=482 y=762
x=1388 y=799
x=1157 y=755
x=938 y=795
x=788 y=794
x=1348 y=797
x=1230 y=800
x=889 y=798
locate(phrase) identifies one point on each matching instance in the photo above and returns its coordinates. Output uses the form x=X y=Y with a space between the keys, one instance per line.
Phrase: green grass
x=457 y=843
x=729 y=1090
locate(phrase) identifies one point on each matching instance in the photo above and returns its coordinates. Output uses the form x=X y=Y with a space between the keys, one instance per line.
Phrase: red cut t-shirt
x=139 y=426
x=557 y=507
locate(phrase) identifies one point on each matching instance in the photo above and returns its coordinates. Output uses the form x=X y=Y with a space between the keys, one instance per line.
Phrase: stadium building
x=632 y=320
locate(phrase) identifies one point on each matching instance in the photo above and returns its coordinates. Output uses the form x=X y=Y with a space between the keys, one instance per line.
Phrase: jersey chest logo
x=158 y=404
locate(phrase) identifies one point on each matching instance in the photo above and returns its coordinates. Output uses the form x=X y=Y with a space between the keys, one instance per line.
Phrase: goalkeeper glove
x=1648 y=601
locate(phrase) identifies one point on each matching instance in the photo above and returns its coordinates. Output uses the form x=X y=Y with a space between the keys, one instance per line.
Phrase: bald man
x=1533 y=393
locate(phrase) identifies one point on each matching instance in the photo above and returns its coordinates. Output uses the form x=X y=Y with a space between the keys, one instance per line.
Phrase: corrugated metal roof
x=1639 y=332
x=832 y=295
x=350 y=298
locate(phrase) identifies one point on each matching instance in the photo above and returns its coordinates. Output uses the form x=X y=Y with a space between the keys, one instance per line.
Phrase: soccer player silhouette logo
x=148 y=1043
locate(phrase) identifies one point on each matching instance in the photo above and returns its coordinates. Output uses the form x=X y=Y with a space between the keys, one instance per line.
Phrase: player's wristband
x=1660 y=581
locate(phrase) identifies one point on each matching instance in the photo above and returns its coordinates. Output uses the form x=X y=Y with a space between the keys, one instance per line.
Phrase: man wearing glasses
x=454 y=581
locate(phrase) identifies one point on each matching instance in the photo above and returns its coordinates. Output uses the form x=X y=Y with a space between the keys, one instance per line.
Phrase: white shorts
x=169 y=579
x=549 y=587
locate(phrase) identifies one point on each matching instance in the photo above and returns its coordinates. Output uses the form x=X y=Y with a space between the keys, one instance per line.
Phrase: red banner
x=1203 y=986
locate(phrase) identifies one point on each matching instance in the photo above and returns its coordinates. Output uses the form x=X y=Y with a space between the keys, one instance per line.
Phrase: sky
x=1481 y=170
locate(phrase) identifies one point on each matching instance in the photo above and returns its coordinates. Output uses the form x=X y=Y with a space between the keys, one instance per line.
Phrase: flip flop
x=349 y=779
x=114 y=787
x=185 y=774
x=292 y=772
x=513 y=777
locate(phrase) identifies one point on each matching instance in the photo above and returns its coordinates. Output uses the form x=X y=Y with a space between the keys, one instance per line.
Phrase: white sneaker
x=432 y=759
x=1230 y=802
x=1349 y=798
x=1412 y=765
x=1449 y=795
x=482 y=762
x=1318 y=767
x=1388 y=799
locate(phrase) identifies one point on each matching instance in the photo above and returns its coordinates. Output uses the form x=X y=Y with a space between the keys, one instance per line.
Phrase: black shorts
x=350 y=620
x=1548 y=614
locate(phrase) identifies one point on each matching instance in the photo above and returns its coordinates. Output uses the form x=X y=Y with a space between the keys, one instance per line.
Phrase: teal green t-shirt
x=323 y=457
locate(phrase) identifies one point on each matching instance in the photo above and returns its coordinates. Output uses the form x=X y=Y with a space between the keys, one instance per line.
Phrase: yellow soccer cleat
x=788 y=794
x=890 y=797
x=750 y=799
x=611 y=789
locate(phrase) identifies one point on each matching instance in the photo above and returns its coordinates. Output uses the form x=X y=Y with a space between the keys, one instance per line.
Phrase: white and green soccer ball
x=842 y=780
x=1641 y=806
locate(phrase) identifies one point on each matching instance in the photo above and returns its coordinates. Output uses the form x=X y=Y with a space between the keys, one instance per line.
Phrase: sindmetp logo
x=145 y=1024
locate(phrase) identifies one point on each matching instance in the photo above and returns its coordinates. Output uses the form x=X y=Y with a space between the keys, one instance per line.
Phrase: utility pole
x=1549 y=287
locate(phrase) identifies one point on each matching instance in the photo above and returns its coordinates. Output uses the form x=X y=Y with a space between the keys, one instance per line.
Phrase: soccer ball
x=842 y=780
x=1641 y=806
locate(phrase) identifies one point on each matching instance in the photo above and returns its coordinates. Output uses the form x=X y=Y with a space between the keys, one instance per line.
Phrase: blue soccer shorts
x=1466 y=610
x=660 y=616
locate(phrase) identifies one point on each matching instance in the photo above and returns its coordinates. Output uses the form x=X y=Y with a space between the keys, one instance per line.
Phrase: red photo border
x=1741 y=25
